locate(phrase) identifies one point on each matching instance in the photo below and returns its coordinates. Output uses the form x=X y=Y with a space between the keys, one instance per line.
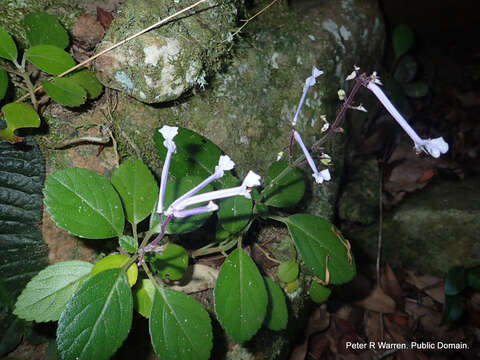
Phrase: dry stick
x=161 y=22
x=253 y=17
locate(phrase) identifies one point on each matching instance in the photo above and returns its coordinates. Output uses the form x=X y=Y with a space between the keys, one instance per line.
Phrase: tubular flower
x=168 y=132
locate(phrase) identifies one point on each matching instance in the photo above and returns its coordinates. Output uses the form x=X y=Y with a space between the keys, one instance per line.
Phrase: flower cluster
x=178 y=208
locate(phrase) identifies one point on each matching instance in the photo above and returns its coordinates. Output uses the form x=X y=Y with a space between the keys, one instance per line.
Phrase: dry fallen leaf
x=378 y=301
x=391 y=286
x=87 y=32
x=430 y=285
x=197 y=278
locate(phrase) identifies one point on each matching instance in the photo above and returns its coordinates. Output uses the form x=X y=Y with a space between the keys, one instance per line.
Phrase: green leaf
x=416 y=89
x=117 y=261
x=277 y=314
x=453 y=309
x=406 y=69
x=195 y=156
x=170 y=264
x=315 y=238
x=22 y=251
x=473 y=277
x=240 y=296
x=403 y=39
x=176 y=188
x=3 y=83
x=49 y=58
x=137 y=188
x=288 y=271
x=18 y=115
x=128 y=243
x=234 y=213
x=8 y=49
x=87 y=80
x=84 y=203
x=180 y=327
x=97 y=318
x=47 y=294
x=286 y=192
x=44 y=29
x=143 y=297
x=456 y=280
x=65 y=91
x=319 y=293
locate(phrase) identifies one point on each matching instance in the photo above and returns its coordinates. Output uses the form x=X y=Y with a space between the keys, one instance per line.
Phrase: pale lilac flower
x=250 y=180
x=168 y=132
x=310 y=81
x=319 y=177
x=224 y=164
x=434 y=147
x=211 y=206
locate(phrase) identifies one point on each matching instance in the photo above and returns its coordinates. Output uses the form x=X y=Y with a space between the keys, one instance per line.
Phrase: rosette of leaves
x=48 y=41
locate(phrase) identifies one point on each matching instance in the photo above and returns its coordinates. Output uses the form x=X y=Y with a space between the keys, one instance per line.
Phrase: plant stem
x=277 y=218
x=161 y=22
x=26 y=77
x=358 y=83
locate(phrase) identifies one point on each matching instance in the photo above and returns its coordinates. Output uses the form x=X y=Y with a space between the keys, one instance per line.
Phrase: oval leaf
x=277 y=314
x=288 y=271
x=319 y=293
x=453 y=309
x=473 y=277
x=179 y=326
x=87 y=80
x=47 y=294
x=171 y=263
x=286 y=192
x=18 y=115
x=456 y=280
x=240 y=297
x=65 y=91
x=50 y=59
x=117 y=261
x=143 y=297
x=137 y=188
x=416 y=89
x=97 y=318
x=406 y=70
x=315 y=238
x=8 y=49
x=403 y=39
x=3 y=83
x=44 y=29
x=84 y=203
x=234 y=213
x=128 y=243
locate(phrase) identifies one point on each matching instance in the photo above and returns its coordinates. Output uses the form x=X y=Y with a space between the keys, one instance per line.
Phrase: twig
x=253 y=17
x=265 y=253
x=161 y=22
x=380 y=224
x=82 y=139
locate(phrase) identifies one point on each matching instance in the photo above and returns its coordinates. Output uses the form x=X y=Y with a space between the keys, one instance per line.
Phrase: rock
x=164 y=63
x=431 y=231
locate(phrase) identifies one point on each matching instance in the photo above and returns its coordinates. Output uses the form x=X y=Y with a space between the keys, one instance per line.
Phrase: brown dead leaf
x=104 y=17
x=378 y=301
x=87 y=32
x=197 y=278
x=430 y=285
x=398 y=336
x=391 y=286
x=373 y=326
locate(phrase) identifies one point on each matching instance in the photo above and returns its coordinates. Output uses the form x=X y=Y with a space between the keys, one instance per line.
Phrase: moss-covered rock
x=162 y=64
x=431 y=230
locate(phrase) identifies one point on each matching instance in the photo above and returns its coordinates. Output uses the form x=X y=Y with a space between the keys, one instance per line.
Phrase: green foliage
x=47 y=294
x=97 y=318
x=234 y=213
x=180 y=327
x=315 y=239
x=288 y=271
x=3 y=83
x=277 y=313
x=286 y=192
x=128 y=243
x=44 y=29
x=406 y=69
x=87 y=80
x=453 y=309
x=171 y=263
x=50 y=59
x=8 y=49
x=84 y=203
x=403 y=39
x=18 y=115
x=117 y=261
x=240 y=296
x=319 y=293
x=143 y=297
x=65 y=91
x=473 y=277
x=456 y=280
x=137 y=188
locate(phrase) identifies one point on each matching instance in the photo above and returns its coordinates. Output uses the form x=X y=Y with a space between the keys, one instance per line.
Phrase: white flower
x=322 y=176
x=168 y=132
x=310 y=81
x=319 y=176
x=434 y=147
